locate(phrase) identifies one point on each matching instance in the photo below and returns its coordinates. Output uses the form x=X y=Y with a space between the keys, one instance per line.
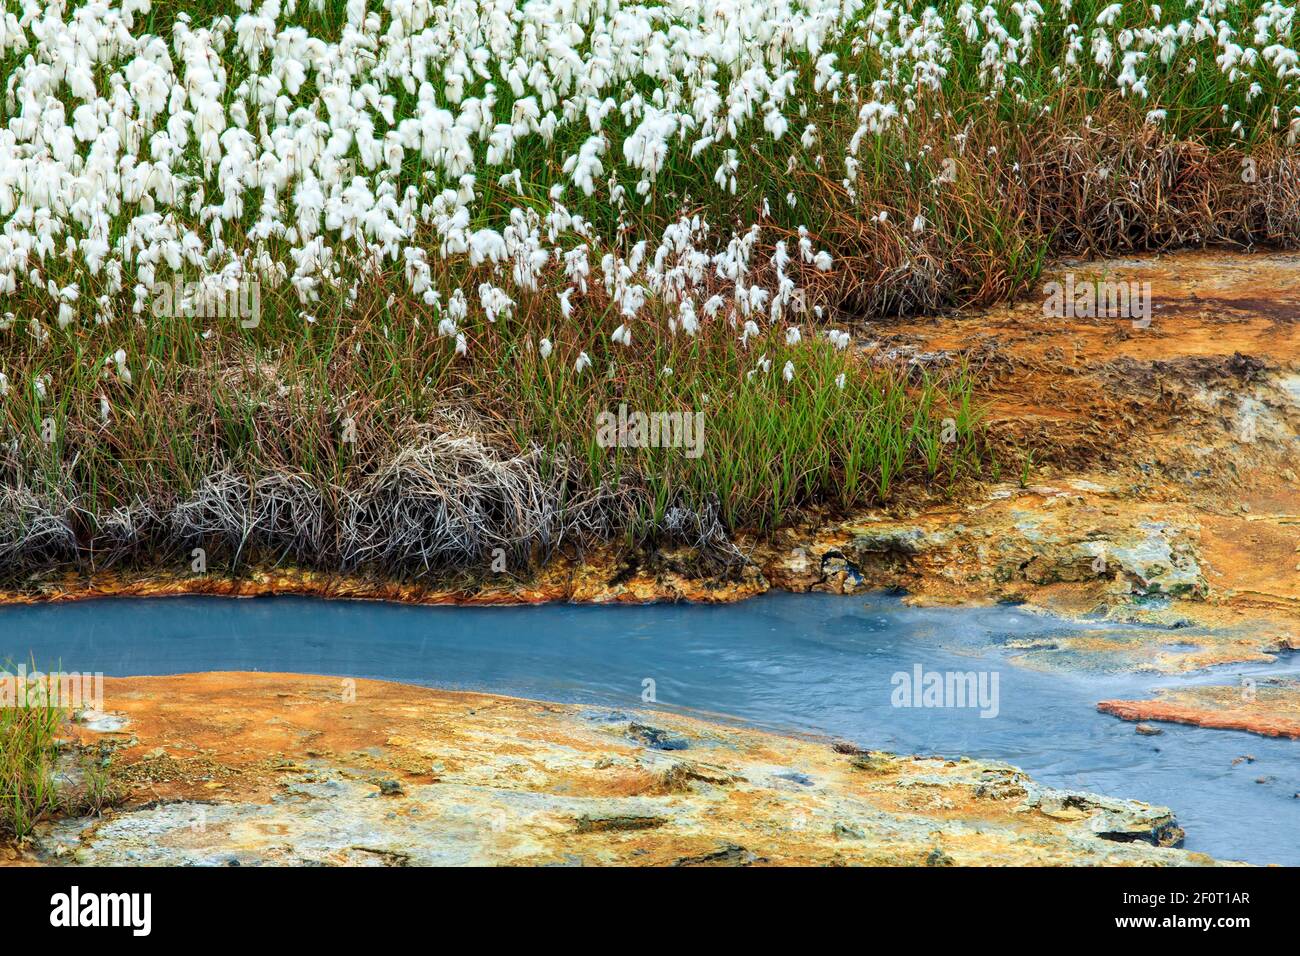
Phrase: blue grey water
x=815 y=664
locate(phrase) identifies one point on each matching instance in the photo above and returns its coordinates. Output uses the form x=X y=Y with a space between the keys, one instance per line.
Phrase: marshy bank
x=1150 y=474
x=461 y=261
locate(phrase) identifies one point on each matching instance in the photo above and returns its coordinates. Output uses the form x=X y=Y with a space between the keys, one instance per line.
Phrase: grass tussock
x=41 y=774
x=28 y=757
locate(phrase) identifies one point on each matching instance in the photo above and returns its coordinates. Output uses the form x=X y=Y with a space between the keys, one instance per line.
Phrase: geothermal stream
x=809 y=664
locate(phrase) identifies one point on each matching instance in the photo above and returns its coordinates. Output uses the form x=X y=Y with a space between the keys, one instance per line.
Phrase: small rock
x=655 y=737
x=1146 y=730
x=794 y=776
x=849 y=747
x=590 y=824
x=937 y=857
x=870 y=764
x=728 y=854
x=390 y=788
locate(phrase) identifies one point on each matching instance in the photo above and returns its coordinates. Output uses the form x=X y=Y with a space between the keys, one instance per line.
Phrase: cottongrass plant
x=253 y=253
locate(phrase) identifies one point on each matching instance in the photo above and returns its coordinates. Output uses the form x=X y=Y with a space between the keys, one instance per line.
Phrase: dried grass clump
x=599 y=514
x=444 y=504
x=1119 y=186
x=1115 y=189
x=986 y=204
x=217 y=516
x=36 y=531
x=125 y=533
x=288 y=518
x=1273 y=209
x=917 y=285
x=281 y=515
x=702 y=529
x=447 y=504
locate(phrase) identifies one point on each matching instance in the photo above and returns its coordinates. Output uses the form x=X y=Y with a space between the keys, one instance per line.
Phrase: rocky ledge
x=244 y=768
x=1266 y=706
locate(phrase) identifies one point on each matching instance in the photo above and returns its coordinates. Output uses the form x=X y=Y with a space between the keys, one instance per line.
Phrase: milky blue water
x=816 y=664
